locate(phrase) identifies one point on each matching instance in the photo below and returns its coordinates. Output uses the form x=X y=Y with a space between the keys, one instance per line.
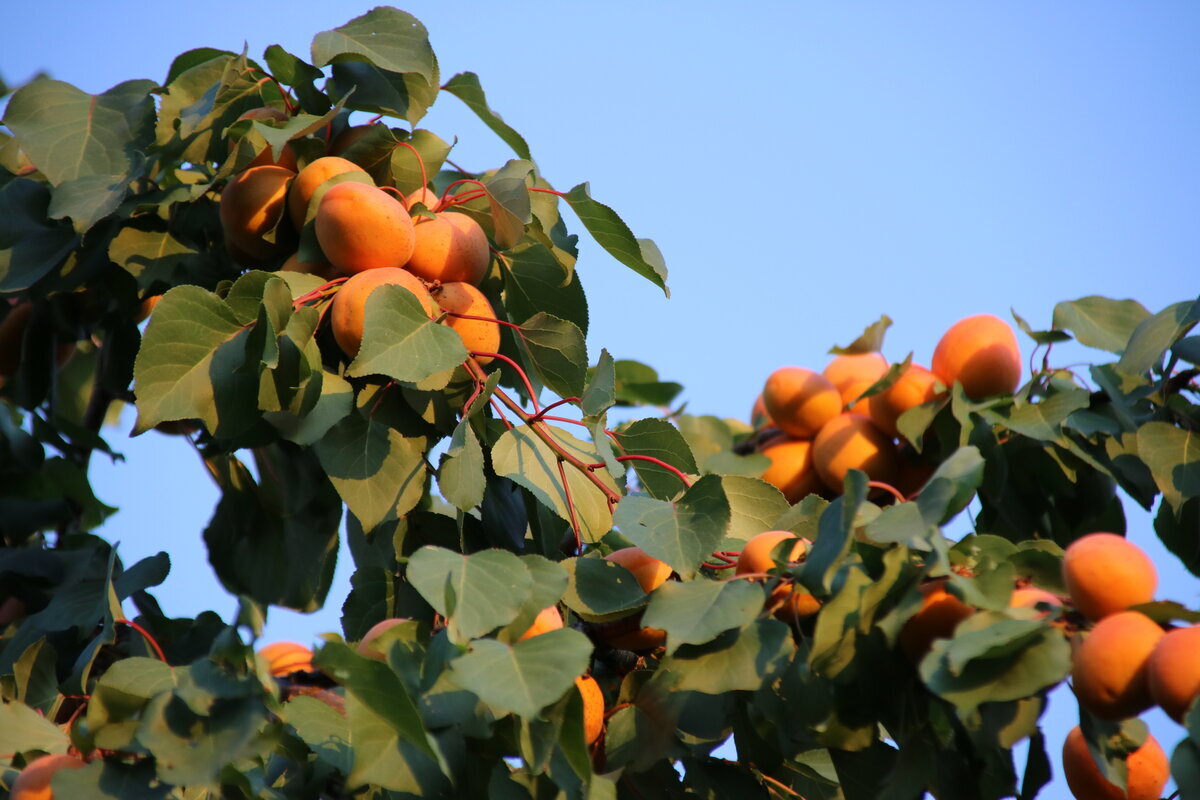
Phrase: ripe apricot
x=851 y=441
x=801 y=401
x=310 y=179
x=1030 y=596
x=1109 y=668
x=982 y=354
x=649 y=571
x=1173 y=672
x=322 y=269
x=361 y=227
x=284 y=658
x=252 y=207
x=853 y=375
x=915 y=386
x=287 y=156
x=593 y=707
x=146 y=308
x=34 y=781
x=791 y=471
x=627 y=633
x=478 y=335
x=1147 y=771
x=449 y=247
x=366 y=645
x=938 y=616
x=349 y=304
x=759 y=418
x=424 y=196
x=1106 y=573
x=757 y=556
x=548 y=619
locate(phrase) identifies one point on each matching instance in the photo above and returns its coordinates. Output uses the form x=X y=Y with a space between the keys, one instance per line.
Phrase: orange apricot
x=800 y=401
x=915 y=386
x=322 y=269
x=627 y=633
x=1173 y=672
x=1031 y=596
x=349 y=304
x=593 y=707
x=1147 y=771
x=361 y=227
x=851 y=441
x=34 y=781
x=791 y=470
x=366 y=645
x=982 y=354
x=853 y=375
x=1106 y=573
x=424 y=196
x=478 y=335
x=548 y=619
x=758 y=556
x=649 y=571
x=146 y=308
x=251 y=208
x=938 y=616
x=759 y=418
x=1109 y=668
x=310 y=179
x=284 y=658
x=450 y=247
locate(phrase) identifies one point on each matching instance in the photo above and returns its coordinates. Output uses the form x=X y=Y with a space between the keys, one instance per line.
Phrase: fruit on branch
x=593 y=707
x=349 y=304
x=425 y=196
x=1030 y=596
x=251 y=208
x=759 y=418
x=287 y=156
x=34 y=781
x=649 y=571
x=759 y=555
x=478 y=335
x=915 y=386
x=322 y=269
x=284 y=658
x=982 y=354
x=1173 y=672
x=938 y=616
x=851 y=441
x=791 y=471
x=1106 y=573
x=548 y=619
x=450 y=247
x=627 y=633
x=1147 y=771
x=1109 y=669
x=146 y=308
x=853 y=375
x=311 y=178
x=366 y=647
x=362 y=227
x=801 y=401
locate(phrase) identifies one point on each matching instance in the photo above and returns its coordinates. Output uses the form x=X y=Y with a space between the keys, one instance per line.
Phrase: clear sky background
x=803 y=167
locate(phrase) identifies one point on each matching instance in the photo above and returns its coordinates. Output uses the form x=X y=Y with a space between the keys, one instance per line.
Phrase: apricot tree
x=548 y=600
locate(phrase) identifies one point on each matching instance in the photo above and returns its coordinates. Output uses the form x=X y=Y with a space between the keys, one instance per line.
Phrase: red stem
x=658 y=462
x=375 y=119
x=887 y=487
x=399 y=194
x=446 y=193
x=541 y=414
x=512 y=325
x=717 y=566
x=500 y=413
x=459 y=199
x=318 y=292
x=562 y=473
x=145 y=635
x=517 y=367
x=420 y=163
x=547 y=191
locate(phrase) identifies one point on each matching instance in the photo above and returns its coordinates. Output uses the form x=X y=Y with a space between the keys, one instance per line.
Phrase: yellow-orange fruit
x=1030 y=596
x=361 y=227
x=937 y=618
x=1106 y=573
x=759 y=418
x=1173 y=672
x=287 y=156
x=1109 y=668
x=628 y=634
x=284 y=658
x=1147 y=771
x=479 y=336
x=791 y=470
x=34 y=781
x=915 y=386
x=146 y=308
x=450 y=247
x=981 y=353
x=349 y=304
x=251 y=207
x=593 y=707
x=854 y=374
x=851 y=441
x=650 y=572
x=365 y=647
x=424 y=196
x=322 y=269
x=310 y=179
x=756 y=557
x=548 y=619
x=801 y=401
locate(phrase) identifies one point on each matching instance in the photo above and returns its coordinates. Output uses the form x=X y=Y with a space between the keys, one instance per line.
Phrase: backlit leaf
x=1100 y=322
x=526 y=676
x=478 y=592
x=682 y=533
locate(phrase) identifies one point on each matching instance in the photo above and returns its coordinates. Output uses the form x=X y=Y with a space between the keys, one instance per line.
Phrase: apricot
x=548 y=619
x=1106 y=573
x=917 y=385
x=1109 y=668
x=34 y=781
x=478 y=335
x=1147 y=771
x=284 y=658
x=791 y=470
x=424 y=196
x=322 y=269
x=146 y=308
x=366 y=645
x=1030 y=596
x=450 y=247
x=851 y=441
x=361 y=227
x=311 y=178
x=757 y=556
x=801 y=401
x=251 y=207
x=349 y=304
x=1173 y=672
x=853 y=375
x=982 y=354
x=650 y=573
x=938 y=616
x=593 y=707
x=759 y=418
x=287 y=156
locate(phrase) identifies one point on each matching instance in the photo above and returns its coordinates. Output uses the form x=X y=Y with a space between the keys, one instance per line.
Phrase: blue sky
x=803 y=167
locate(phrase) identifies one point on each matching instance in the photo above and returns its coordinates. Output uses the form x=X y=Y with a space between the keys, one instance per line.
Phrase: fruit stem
x=446 y=193
x=717 y=566
x=420 y=162
x=562 y=473
x=500 y=413
x=399 y=194
x=547 y=191
x=459 y=199
x=512 y=325
x=541 y=414
x=887 y=487
x=145 y=635
x=659 y=463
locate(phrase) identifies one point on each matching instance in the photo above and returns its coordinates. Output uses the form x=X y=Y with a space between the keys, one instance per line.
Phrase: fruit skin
x=284 y=658
x=321 y=269
x=791 y=470
x=1106 y=573
x=981 y=353
x=349 y=304
x=1030 y=596
x=853 y=375
x=1173 y=672
x=361 y=227
x=365 y=647
x=627 y=634
x=756 y=556
x=34 y=781
x=1147 y=771
x=851 y=441
x=450 y=247
x=1109 y=668
x=937 y=618
x=801 y=401
x=477 y=335
x=759 y=418
x=548 y=619
x=310 y=178
x=252 y=206
x=593 y=707
x=650 y=572
x=424 y=196
x=917 y=385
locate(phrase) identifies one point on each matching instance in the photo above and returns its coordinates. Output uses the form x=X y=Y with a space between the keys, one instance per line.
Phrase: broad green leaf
x=535 y=282
x=638 y=384
x=30 y=245
x=478 y=593
x=1100 y=322
x=509 y=201
x=22 y=729
x=190 y=748
x=869 y=341
x=1043 y=420
x=549 y=582
x=413 y=170
x=600 y=588
x=110 y=780
x=382 y=757
x=1187 y=349
x=323 y=729
x=834 y=535
x=698 y=611
x=1177 y=527
x=611 y=233
x=600 y=393
x=126 y=687
x=387 y=37
x=362 y=86
x=300 y=75
x=152 y=256
x=754 y=506
x=465 y=86
x=557 y=351
x=1040 y=337
x=1154 y=335
x=1173 y=455
x=952 y=485
x=745 y=659
x=88 y=199
x=682 y=533
x=526 y=676
x=657 y=438
x=460 y=472
x=335 y=402
x=401 y=342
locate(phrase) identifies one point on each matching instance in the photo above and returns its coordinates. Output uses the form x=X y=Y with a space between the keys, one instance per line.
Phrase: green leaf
x=558 y=353
x=611 y=233
x=401 y=342
x=323 y=729
x=1040 y=337
x=390 y=39
x=698 y=611
x=479 y=592
x=190 y=748
x=23 y=729
x=659 y=439
x=1177 y=529
x=638 y=384
x=599 y=588
x=465 y=86
x=101 y=780
x=300 y=75
x=1100 y=322
x=600 y=393
x=509 y=201
x=152 y=256
x=407 y=171
x=738 y=660
x=526 y=676
x=834 y=535
x=1154 y=335
x=1173 y=456
x=754 y=506
x=88 y=199
x=952 y=485
x=1043 y=421
x=536 y=282
x=460 y=472
x=30 y=245
x=384 y=758
x=869 y=341
x=682 y=533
